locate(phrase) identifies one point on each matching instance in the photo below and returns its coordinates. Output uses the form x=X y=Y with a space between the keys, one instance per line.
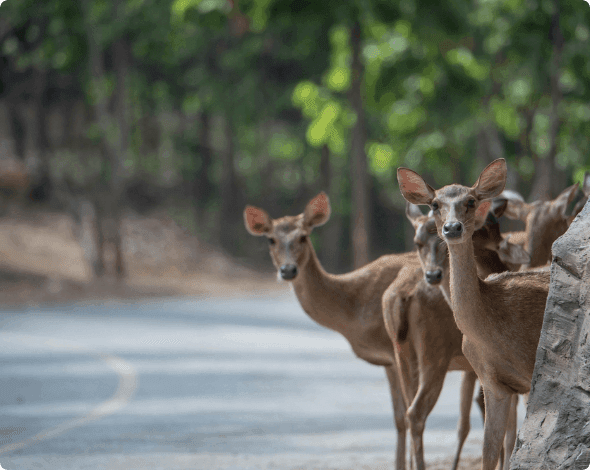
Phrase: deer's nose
x=434 y=276
x=452 y=229
x=288 y=271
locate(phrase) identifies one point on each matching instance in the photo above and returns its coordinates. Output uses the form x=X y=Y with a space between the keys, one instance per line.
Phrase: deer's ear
x=499 y=207
x=492 y=180
x=317 y=211
x=511 y=195
x=562 y=202
x=512 y=253
x=413 y=212
x=413 y=187
x=257 y=221
x=481 y=214
x=517 y=210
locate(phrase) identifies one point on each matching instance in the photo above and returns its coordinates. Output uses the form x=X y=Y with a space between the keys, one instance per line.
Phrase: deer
x=545 y=222
x=500 y=317
x=349 y=304
x=344 y=303
x=416 y=314
x=493 y=254
x=421 y=321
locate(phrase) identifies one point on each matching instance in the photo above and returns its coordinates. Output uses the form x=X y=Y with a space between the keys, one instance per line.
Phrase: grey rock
x=556 y=432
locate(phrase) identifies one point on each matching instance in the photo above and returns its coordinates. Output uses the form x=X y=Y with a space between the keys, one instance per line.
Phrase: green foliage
x=437 y=80
x=382 y=159
x=284 y=146
x=465 y=59
x=330 y=116
x=338 y=77
x=506 y=117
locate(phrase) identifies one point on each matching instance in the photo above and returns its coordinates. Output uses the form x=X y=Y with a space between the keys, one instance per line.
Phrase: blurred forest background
x=111 y=109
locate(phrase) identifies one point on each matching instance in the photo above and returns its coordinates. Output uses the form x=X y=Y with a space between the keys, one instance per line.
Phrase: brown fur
x=349 y=303
x=516 y=296
x=517 y=237
x=500 y=317
x=545 y=222
x=431 y=316
x=419 y=319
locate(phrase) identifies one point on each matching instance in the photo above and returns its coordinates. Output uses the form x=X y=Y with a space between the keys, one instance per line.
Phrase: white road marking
x=128 y=381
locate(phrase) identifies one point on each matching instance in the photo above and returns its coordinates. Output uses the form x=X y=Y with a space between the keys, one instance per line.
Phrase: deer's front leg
x=399 y=416
x=430 y=384
x=510 y=437
x=497 y=403
x=467 y=386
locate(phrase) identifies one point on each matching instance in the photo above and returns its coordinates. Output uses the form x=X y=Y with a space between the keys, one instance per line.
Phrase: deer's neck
x=465 y=292
x=326 y=298
x=539 y=243
x=445 y=287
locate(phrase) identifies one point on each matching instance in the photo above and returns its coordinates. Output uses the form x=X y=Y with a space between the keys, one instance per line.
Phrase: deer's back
x=516 y=306
x=365 y=329
x=370 y=281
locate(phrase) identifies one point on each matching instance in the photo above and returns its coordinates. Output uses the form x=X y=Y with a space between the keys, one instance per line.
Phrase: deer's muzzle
x=288 y=271
x=433 y=277
x=452 y=230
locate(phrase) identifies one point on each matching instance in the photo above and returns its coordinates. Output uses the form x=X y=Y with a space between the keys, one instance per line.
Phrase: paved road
x=198 y=384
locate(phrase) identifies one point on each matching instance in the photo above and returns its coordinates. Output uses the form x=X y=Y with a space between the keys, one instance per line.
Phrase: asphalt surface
x=247 y=383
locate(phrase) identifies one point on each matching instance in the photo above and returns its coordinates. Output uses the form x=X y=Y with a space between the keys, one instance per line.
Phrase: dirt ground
x=42 y=262
x=465 y=463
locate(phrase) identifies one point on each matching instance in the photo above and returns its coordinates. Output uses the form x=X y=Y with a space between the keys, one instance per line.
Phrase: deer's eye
x=271 y=241
x=303 y=238
x=471 y=203
x=434 y=206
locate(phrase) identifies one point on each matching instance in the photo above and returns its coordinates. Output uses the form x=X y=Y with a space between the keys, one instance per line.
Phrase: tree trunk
x=120 y=154
x=17 y=129
x=358 y=164
x=548 y=178
x=525 y=142
x=121 y=59
x=67 y=138
x=325 y=178
x=99 y=265
x=109 y=191
x=41 y=184
x=202 y=189
x=331 y=233
x=228 y=190
x=491 y=144
x=267 y=166
x=102 y=116
x=541 y=189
